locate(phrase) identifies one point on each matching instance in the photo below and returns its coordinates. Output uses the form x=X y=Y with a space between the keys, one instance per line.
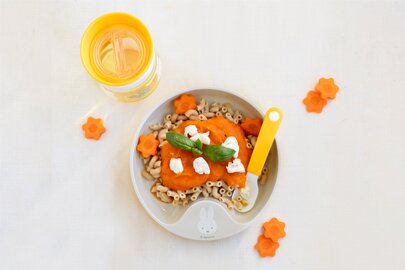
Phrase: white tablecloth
x=68 y=203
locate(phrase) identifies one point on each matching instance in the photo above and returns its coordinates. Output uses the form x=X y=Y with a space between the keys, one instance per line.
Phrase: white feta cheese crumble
x=235 y=166
x=190 y=130
x=204 y=137
x=232 y=143
x=176 y=166
x=201 y=166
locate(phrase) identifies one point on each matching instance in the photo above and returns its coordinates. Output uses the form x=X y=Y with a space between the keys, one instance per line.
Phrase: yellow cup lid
x=105 y=34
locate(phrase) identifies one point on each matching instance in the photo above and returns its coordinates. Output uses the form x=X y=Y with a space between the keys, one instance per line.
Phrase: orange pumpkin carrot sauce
x=220 y=128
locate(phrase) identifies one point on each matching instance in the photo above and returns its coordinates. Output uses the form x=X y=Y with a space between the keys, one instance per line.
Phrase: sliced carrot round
x=327 y=88
x=266 y=247
x=184 y=103
x=314 y=102
x=93 y=128
x=252 y=126
x=274 y=229
x=147 y=145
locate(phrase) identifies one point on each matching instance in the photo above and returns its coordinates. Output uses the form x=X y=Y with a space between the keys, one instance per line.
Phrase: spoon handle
x=265 y=140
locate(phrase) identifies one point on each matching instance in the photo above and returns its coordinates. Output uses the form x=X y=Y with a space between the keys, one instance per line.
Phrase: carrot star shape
x=274 y=229
x=93 y=128
x=266 y=247
x=252 y=126
x=327 y=88
x=147 y=145
x=184 y=103
x=314 y=102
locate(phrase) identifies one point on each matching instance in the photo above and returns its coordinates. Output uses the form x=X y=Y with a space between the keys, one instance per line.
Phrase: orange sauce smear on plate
x=220 y=128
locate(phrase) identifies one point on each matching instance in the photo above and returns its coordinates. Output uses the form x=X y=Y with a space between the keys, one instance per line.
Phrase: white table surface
x=68 y=203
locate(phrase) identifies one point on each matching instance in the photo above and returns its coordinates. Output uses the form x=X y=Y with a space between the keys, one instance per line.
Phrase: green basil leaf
x=198 y=144
x=180 y=141
x=218 y=153
x=196 y=151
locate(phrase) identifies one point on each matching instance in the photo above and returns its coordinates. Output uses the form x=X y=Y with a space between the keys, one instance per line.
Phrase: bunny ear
x=210 y=213
x=203 y=214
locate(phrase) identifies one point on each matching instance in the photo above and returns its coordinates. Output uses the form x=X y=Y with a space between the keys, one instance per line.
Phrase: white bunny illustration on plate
x=207 y=224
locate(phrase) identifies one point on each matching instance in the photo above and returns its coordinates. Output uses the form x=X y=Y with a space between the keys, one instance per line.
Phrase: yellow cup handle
x=267 y=133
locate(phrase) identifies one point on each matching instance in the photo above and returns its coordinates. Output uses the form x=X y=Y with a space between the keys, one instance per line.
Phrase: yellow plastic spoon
x=267 y=133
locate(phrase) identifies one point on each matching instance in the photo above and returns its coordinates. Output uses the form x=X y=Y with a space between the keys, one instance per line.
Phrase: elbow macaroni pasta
x=217 y=190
